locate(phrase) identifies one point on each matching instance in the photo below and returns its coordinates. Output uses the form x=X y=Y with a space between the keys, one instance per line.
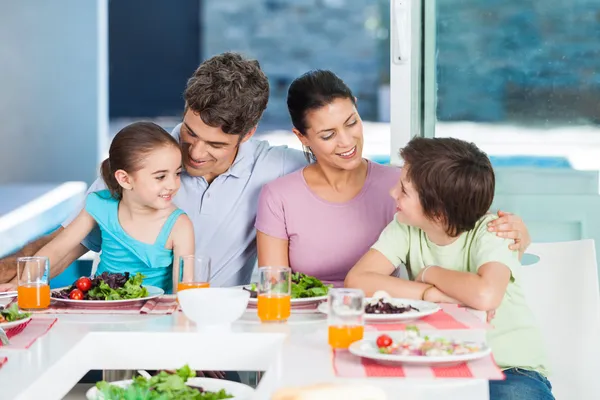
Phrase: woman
x=320 y=220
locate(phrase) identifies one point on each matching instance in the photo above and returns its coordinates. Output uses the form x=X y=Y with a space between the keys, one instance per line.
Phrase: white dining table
x=295 y=353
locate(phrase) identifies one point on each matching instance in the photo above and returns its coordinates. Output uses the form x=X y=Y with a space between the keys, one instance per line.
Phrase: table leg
x=113 y=375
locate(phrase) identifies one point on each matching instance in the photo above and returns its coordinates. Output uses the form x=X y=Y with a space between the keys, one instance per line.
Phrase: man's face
x=207 y=151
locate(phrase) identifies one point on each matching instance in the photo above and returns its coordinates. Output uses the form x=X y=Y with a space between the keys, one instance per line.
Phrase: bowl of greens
x=305 y=290
x=106 y=289
x=165 y=386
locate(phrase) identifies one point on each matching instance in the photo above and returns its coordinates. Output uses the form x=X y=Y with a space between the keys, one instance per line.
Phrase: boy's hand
x=435 y=295
x=511 y=226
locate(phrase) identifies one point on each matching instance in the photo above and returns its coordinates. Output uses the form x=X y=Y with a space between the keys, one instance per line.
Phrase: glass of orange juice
x=274 y=294
x=33 y=291
x=345 y=317
x=194 y=272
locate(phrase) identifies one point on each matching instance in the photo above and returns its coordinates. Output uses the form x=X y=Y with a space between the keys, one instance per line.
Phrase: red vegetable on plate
x=76 y=294
x=384 y=341
x=84 y=284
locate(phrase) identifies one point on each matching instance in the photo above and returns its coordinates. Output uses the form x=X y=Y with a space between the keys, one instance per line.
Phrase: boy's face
x=408 y=205
x=207 y=151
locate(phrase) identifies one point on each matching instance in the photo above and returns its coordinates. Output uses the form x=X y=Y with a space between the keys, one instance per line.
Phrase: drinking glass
x=198 y=275
x=346 y=317
x=33 y=291
x=274 y=294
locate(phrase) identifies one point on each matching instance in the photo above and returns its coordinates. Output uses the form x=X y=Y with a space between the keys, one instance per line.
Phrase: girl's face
x=155 y=184
x=335 y=135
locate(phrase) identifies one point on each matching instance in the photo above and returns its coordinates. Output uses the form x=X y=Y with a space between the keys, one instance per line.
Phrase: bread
x=328 y=391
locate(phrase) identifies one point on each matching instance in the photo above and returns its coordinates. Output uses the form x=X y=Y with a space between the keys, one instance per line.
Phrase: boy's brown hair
x=455 y=180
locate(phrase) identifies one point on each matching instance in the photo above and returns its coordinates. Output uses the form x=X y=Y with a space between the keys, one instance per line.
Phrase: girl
x=142 y=231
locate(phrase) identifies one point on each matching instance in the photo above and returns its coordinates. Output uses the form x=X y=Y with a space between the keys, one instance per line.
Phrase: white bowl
x=213 y=306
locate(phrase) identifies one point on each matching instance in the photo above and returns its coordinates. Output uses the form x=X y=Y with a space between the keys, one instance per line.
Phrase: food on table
x=413 y=344
x=107 y=286
x=76 y=294
x=12 y=314
x=303 y=286
x=163 y=386
x=383 y=303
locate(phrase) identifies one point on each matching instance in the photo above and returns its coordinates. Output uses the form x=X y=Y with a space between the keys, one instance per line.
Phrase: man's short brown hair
x=455 y=180
x=229 y=92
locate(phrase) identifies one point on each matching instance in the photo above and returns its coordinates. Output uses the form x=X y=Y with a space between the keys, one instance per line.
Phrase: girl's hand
x=511 y=226
x=7 y=287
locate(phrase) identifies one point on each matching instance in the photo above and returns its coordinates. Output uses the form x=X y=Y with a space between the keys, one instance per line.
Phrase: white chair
x=562 y=291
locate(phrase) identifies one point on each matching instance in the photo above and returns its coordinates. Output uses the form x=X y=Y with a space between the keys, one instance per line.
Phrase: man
x=225 y=168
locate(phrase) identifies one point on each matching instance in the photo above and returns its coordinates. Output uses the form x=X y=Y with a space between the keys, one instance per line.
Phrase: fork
x=4 y=338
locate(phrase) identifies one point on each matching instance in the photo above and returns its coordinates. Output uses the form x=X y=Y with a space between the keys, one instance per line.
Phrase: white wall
x=53 y=89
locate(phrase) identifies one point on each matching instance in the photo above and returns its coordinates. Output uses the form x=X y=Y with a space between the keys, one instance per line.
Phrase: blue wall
x=53 y=89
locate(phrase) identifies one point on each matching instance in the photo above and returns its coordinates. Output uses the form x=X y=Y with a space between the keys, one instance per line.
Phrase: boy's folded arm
x=372 y=273
x=481 y=291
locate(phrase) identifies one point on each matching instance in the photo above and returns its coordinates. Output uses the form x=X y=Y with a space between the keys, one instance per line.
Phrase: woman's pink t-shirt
x=326 y=239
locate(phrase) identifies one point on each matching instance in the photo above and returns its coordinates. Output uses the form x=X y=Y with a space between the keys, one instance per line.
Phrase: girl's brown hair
x=129 y=148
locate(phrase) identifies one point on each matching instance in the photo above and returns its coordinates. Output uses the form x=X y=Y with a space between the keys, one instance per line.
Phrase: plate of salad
x=107 y=288
x=412 y=348
x=165 y=386
x=305 y=290
x=382 y=308
x=11 y=317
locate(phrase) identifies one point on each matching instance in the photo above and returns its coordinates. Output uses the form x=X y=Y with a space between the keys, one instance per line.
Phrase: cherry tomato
x=384 y=341
x=84 y=284
x=76 y=294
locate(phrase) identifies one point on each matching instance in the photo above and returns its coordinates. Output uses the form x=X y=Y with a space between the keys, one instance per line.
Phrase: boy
x=440 y=233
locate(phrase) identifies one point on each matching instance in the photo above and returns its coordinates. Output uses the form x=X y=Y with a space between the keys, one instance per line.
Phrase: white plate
x=367 y=348
x=8 y=325
x=153 y=292
x=295 y=302
x=425 y=308
x=8 y=295
x=239 y=391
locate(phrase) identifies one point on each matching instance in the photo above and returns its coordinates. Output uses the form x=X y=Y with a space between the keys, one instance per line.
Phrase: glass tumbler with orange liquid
x=274 y=294
x=194 y=272
x=345 y=317
x=33 y=290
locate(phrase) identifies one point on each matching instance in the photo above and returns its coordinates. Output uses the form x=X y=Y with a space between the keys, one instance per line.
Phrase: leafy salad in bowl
x=303 y=287
x=163 y=386
x=106 y=286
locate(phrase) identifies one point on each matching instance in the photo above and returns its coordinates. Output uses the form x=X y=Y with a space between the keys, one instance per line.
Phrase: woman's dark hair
x=455 y=180
x=312 y=91
x=129 y=148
